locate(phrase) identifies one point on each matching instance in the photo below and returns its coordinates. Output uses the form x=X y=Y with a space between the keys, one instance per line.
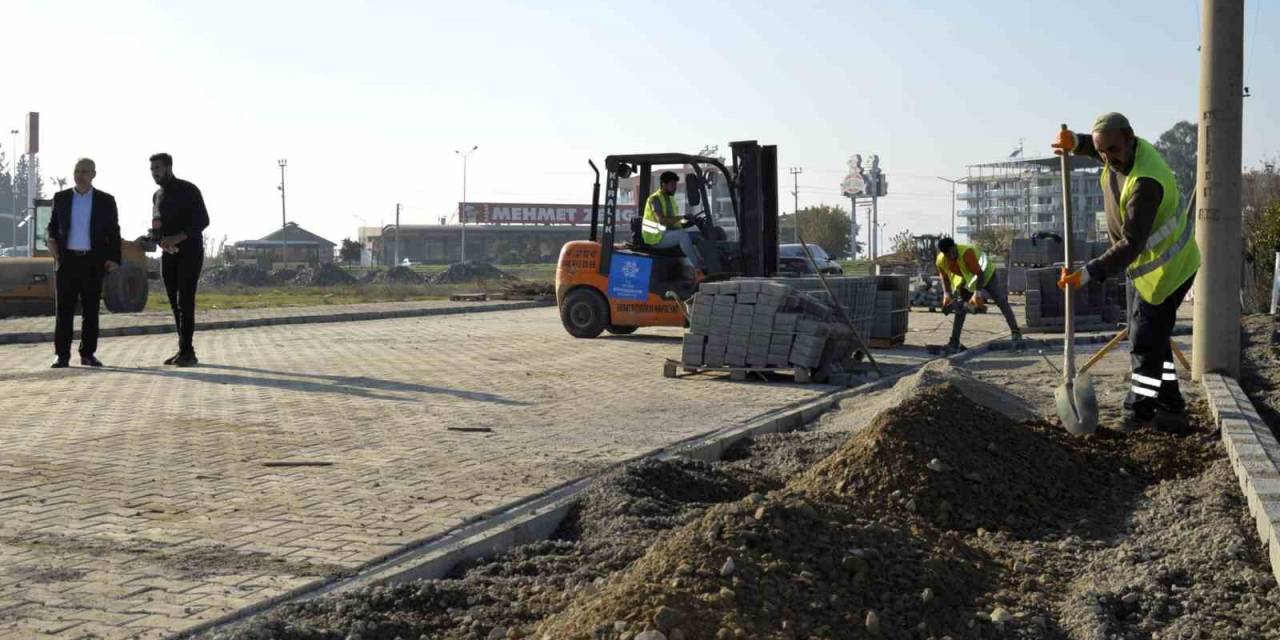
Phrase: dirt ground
x=947 y=506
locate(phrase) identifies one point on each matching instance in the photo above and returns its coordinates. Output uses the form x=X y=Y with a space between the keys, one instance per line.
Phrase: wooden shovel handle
x=1181 y=357
x=1103 y=351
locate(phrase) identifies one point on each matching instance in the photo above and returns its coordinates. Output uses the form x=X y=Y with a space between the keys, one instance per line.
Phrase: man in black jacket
x=180 y=209
x=84 y=240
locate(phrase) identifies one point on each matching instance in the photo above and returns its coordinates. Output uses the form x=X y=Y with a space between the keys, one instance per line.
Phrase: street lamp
x=462 y=212
x=953 y=201
x=284 y=226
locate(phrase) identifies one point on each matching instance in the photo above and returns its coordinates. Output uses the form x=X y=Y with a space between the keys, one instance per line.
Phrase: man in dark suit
x=84 y=240
x=179 y=208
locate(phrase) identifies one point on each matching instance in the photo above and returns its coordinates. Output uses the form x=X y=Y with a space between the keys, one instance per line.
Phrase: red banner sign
x=525 y=213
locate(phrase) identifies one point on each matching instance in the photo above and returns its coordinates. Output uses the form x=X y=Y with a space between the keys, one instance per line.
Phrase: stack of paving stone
x=892 y=307
x=764 y=324
x=1046 y=303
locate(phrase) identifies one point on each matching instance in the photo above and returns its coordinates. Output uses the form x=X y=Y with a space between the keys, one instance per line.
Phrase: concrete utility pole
x=1216 y=338
x=462 y=212
x=397 y=246
x=284 y=225
x=853 y=227
x=953 y=201
x=875 y=220
x=13 y=182
x=33 y=147
x=795 y=199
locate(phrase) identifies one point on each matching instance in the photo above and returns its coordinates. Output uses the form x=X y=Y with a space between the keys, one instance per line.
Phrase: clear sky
x=369 y=100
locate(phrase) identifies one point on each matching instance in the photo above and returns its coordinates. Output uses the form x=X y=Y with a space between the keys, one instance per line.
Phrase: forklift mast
x=755 y=169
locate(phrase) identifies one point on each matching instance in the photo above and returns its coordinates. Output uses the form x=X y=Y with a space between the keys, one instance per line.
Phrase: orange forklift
x=618 y=284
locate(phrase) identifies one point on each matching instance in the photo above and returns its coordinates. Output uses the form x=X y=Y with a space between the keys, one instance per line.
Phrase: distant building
x=1026 y=195
x=304 y=249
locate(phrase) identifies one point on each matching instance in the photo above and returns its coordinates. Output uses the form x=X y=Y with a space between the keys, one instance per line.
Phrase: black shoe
x=61 y=363
x=953 y=348
x=186 y=360
x=173 y=358
x=90 y=361
x=1172 y=420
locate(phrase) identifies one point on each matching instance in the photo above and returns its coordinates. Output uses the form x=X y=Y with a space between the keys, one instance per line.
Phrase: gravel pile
x=469 y=272
x=395 y=275
x=327 y=275
x=235 y=275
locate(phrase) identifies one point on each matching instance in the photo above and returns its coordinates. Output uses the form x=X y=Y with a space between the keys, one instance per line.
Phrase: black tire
x=620 y=331
x=584 y=313
x=125 y=289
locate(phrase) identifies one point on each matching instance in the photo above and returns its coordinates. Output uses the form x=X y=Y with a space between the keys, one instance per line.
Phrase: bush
x=1262 y=231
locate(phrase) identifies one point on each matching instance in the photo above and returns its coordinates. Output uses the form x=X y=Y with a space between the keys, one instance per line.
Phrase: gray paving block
x=747 y=285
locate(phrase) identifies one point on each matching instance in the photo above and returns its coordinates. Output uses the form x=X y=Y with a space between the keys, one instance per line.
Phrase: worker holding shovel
x=1153 y=243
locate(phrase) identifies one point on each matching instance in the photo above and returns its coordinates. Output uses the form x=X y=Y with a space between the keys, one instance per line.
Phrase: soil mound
x=963 y=465
x=326 y=275
x=632 y=502
x=235 y=275
x=396 y=275
x=468 y=272
x=785 y=566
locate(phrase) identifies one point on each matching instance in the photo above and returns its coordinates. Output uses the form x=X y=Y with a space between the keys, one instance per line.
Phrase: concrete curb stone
x=1254 y=453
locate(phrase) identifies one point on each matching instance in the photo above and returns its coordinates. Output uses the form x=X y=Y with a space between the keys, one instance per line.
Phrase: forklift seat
x=638 y=245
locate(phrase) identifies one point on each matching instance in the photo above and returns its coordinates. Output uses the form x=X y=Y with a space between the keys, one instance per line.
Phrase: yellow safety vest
x=658 y=207
x=1171 y=255
x=965 y=279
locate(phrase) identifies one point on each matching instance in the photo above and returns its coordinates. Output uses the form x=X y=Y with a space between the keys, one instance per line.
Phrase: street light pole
x=284 y=225
x=462 y=211
x=953 y=201
x=795 y=194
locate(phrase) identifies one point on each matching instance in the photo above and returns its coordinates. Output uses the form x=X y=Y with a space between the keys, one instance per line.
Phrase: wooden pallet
x=673 y=369
x=468 y=297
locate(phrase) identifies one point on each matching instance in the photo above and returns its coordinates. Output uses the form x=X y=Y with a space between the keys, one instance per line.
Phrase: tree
x=994 y=242
x=823 y=225
x=350 y=251
x=1178 y=147
x=901 y=242
x=1260 y=200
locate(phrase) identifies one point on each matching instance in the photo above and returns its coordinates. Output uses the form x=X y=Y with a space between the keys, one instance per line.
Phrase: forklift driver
x=662 y=228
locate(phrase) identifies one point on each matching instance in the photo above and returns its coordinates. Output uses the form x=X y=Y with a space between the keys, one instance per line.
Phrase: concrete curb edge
x=1255 y=456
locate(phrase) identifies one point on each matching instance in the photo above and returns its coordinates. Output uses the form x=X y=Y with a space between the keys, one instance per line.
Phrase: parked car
x=792 y=261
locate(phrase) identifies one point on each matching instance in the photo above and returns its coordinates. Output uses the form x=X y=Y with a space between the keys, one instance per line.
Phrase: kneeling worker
x=965 y=268
x=663 y=228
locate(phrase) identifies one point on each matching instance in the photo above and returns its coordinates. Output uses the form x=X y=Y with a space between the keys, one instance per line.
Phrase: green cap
x=1110 y=122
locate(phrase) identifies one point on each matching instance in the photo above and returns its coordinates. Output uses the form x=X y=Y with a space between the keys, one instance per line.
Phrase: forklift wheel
x=584 y=313
x=620 y=331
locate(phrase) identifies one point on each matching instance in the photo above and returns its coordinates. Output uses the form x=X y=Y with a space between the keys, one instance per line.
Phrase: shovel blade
x=1077 y=406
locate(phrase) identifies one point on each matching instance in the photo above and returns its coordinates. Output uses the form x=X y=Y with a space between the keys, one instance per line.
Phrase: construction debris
x=235 y=275
x=469 y=272
x=326 y=275
x=395 y=275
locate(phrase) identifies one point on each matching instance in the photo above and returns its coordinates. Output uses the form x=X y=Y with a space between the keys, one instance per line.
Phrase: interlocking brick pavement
x=134 y=500
x=40 y=328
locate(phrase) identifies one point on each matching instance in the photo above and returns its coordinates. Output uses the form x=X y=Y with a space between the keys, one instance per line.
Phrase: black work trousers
x=78 y=279
x=181 y=272
x=1154 y=381
x=996 y=292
